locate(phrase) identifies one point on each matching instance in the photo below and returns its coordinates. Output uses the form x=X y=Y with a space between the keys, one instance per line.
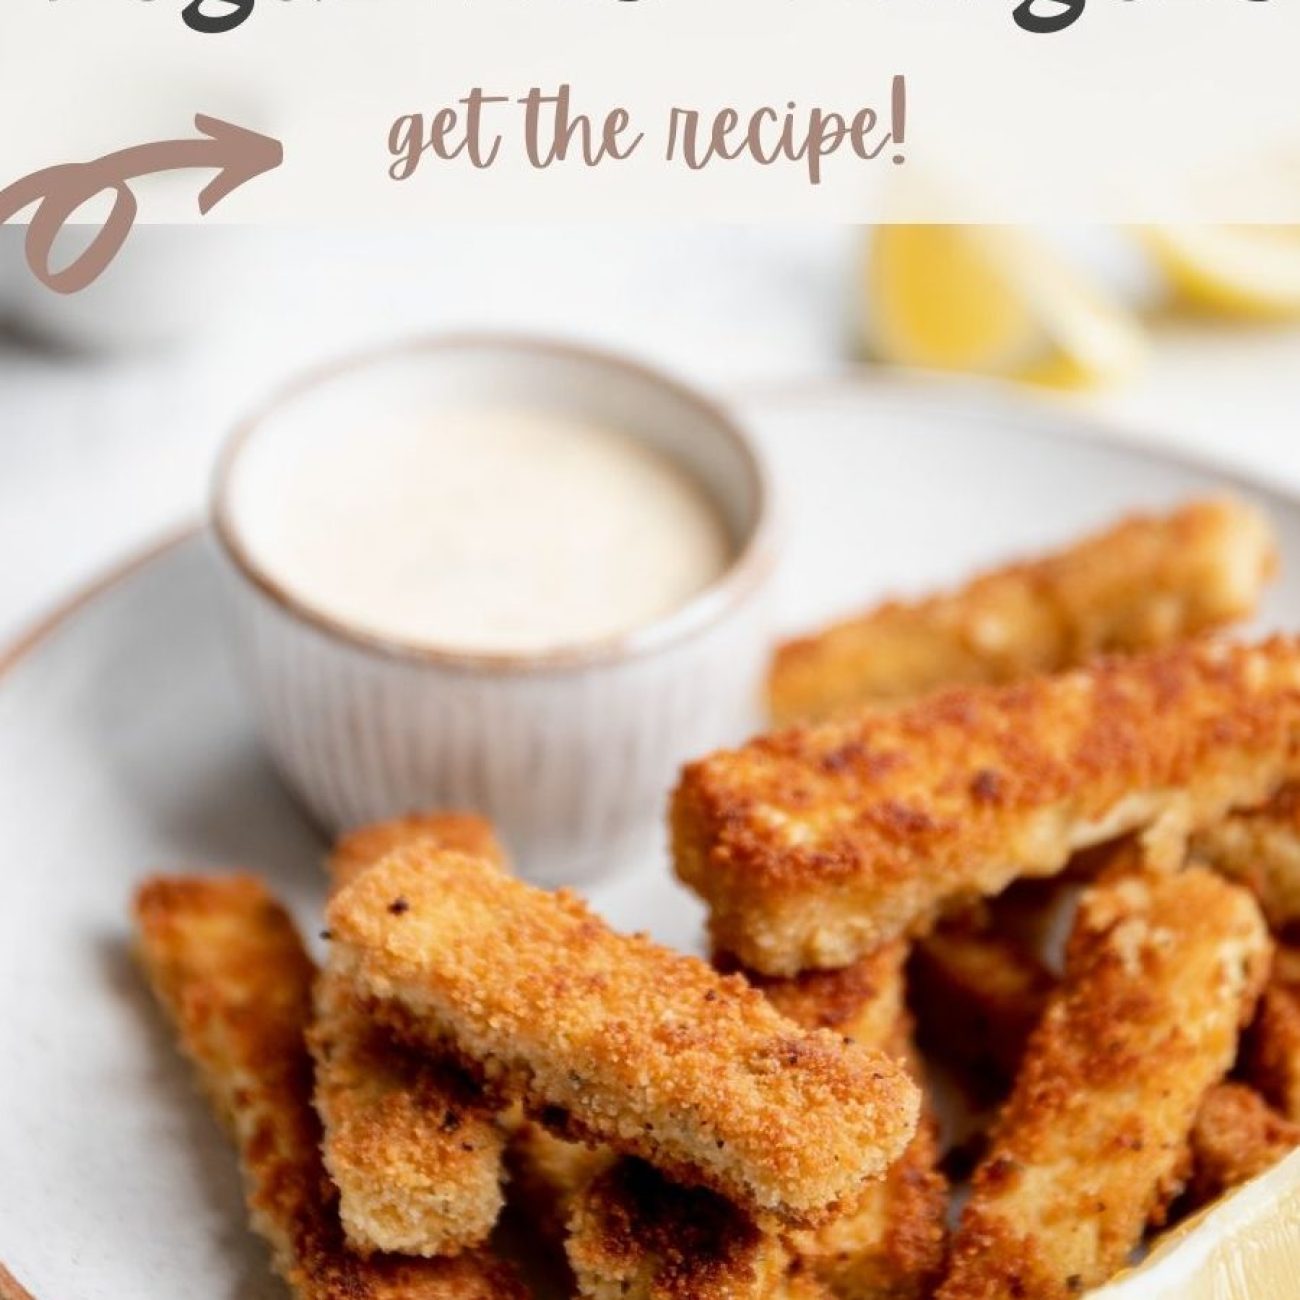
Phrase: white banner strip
x=836 y=110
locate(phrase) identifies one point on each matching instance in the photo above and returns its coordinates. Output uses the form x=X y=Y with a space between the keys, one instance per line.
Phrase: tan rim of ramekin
x=750 y=567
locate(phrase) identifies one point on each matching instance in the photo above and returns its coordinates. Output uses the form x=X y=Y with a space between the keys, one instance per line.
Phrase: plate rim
x=1068 y=423
x=11 y=1288
x=75 y=598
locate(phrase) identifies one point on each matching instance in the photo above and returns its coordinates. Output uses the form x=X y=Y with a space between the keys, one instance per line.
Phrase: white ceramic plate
x=125 y=747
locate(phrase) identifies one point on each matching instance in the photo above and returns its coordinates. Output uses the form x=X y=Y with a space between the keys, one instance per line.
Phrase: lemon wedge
x=1243 y=1247
x=992 y=300
x=1251 y=271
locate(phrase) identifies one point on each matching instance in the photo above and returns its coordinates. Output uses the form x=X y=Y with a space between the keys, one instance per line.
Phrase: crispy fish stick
x=548 y=1174
x=1161 y=972
x=635 y=1235
x=1260 y=847
x=1272 y=1056
x=614 y=1039
x=633 y=1229
x=1237 y=1136
x=980 y=980
x=409 y=1141
x=411 y=1144
x=978 y=993
x=800 y=1284
x=229 y=969
x=360 y=849
x=816 y=845
x=864 y=1002
x=890 y=1245
x=1147 y=583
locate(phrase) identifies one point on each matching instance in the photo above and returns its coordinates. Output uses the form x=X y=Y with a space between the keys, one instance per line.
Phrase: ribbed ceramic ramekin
x=570 y=752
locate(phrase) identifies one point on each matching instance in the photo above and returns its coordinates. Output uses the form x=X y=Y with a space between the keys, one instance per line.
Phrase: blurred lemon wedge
x=992 y=300
x=1237 y=270
x=1246 y=1246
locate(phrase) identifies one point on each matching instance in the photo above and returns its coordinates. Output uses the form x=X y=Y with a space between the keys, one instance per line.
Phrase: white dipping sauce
x=485 y=529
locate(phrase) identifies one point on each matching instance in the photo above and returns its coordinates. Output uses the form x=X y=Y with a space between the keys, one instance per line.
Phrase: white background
x=100 y=451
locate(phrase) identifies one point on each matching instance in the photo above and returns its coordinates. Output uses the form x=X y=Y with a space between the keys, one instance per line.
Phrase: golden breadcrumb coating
x=547 y=1174
x=615 y=1039
x=1149 y=582
x=1260 y=848
x=412 y=1146
x=358 y=850
x=229 y=968
x=992 y=990
x=978 y=993
x=1237 y=1137
x=890 y=1244
x=1272 y=1055
x=816 y=845
x=864 y=1002
x=800 y=1284
x=641 y=1232
x=545 y=1171
x=635 y=1235
x=1162 y=970
x=410 y=1142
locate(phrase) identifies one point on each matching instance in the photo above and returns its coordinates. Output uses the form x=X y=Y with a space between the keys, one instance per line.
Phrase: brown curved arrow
x=239 y=155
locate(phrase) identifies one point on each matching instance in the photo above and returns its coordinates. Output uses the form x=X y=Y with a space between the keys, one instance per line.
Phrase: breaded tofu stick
x=228 y=967
x=1149 y=582
x=1162 y=970
x=1237 y=1136
x=635 y=1229
x=982 y=994
x=635 y=1235
x=814 y=846
x=411 y=1144
x=890 y=1244
x=1272 y=1056
x=800 y=1284
x=978 y=994
x=547 y=1175
x=409 y=1140
x=358 y=850
x=1260 y=847
x=615 y=1039
x=865 y=1002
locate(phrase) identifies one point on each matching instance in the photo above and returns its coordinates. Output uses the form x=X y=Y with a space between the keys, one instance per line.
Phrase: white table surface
x=102 y=451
